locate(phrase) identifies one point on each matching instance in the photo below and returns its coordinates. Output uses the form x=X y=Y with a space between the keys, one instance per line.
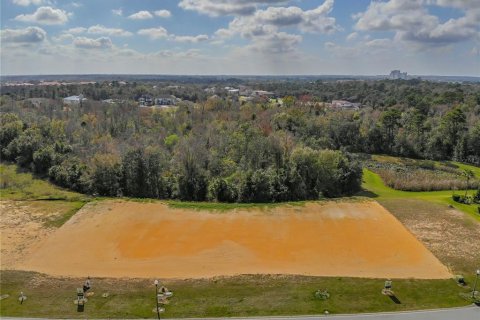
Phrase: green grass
x=18 y=185
x=58 y=220
x=462 y=166
x=39 y=194
x=223 y=206
x=253 y=295
x=374 y=187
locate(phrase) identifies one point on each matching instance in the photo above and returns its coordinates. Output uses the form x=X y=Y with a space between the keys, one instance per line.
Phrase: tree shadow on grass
x=367 y=193
x=395 y=299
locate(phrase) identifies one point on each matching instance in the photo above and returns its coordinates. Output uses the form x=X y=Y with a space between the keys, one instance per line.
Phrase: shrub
x=462 y=199
x=322 y=294
x=476 y=197
x=221 y=190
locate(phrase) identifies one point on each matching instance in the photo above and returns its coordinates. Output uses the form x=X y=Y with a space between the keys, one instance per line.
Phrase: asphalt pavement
x=465 y=313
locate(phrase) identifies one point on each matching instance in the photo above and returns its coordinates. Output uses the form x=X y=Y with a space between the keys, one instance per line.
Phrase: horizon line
x=232 y=75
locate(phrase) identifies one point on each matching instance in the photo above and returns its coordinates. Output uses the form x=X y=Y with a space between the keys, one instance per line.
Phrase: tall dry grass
x=424 y=180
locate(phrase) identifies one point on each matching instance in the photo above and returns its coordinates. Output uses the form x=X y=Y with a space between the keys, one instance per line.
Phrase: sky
x=240 y=37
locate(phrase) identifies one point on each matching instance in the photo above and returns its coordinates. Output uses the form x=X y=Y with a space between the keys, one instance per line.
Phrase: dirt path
x=21 y=227
x=129 y=239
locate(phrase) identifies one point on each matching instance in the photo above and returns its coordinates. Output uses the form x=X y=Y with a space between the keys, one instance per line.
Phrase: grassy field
x=375 y=188
x=422 y=175
x=234 y=296
x=18 y=185
x=39 y=195
x=222 y=206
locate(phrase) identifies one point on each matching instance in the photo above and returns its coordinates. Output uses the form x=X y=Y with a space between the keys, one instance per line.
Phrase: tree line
x=223 y=149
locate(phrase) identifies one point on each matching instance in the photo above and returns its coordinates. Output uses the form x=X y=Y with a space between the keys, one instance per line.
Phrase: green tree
x=453 y=126
x=390 y=121
x=192 y=183
x=10 y=128
x=43 y=159
x=134 y=173
x=107 y=175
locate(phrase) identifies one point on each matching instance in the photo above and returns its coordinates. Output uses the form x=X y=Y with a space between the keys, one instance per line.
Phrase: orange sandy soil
x=129 y=239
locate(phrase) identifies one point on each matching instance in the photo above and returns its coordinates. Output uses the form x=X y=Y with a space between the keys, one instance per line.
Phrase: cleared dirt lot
x=23 y=225
x=450 y=235
x=129 y=239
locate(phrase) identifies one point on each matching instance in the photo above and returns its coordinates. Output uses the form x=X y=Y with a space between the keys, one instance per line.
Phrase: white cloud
x=45 y=15
x=88 y=43
x=272 y=19
x=191 y=39
x=264 y=27
x=462 y=4
x=276 y=43
x=125 y=52
x=224 y=7
x=192 y=53
x=379 y=44
x=141 y=15
x=154 y=33
x=314 y=21
x=99 y=29
x=27 y=35
x=163 y=13
x=352 y=36
x=411 y=21
x=76 y=30
x=117 y=12
x=26 y=3
x=64 y=37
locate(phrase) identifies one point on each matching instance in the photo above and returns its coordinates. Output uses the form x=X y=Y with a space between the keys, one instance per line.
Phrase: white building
x=233 y=92
x=344 y=104
x=262 y=93
x=74 y=99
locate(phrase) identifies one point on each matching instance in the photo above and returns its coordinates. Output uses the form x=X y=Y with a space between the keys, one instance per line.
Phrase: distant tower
x=396 y=74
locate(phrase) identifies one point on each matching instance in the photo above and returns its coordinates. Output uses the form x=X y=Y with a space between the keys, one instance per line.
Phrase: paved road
x=467 y=313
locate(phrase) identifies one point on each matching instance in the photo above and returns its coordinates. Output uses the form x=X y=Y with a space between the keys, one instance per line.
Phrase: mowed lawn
x=375 y=188
x=252 y=295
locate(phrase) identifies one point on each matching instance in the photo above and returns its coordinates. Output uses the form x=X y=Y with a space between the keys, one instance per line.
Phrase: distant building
x=396 y=74
x=74 y=99
x=166 y=101
x=148 y=101
x=262 y=93
x=145 y=101
x=344 y=104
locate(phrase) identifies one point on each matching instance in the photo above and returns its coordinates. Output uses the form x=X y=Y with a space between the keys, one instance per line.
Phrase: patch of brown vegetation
x=452 y=236
x=21 y=227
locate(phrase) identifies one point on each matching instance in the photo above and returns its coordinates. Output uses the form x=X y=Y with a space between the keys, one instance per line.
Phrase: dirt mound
x=129 y=239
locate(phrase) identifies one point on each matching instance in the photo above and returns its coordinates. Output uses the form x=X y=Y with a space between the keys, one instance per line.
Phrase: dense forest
x=219 y=148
